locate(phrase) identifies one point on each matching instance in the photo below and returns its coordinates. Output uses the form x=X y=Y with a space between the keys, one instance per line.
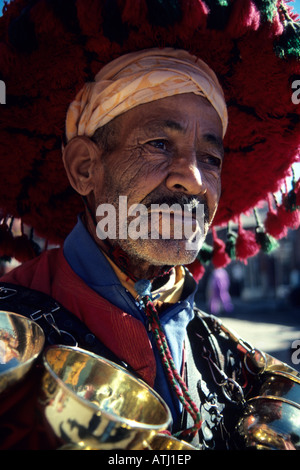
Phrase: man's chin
x=164 y=252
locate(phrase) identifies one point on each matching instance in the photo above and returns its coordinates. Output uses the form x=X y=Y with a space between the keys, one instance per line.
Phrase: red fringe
x=290 y=219
x=244 y=17
x=246 y=245
x=274 y=227
x=197 y=270
x=220 y=258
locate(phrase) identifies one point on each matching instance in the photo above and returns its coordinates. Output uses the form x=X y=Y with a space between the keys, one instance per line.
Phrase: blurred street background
x=268 y=325
x=262 y=299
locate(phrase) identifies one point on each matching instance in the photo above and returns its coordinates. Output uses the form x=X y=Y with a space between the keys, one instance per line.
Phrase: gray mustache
x=185 y=202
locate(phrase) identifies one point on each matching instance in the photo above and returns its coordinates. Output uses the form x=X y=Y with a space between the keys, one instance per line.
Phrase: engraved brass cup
x=165 y=442
x=272 y=419
x=93 y=403
x=21 y=342
x=158 y=442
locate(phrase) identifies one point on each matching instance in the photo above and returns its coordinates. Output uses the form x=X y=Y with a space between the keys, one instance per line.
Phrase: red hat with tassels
x=50 y=48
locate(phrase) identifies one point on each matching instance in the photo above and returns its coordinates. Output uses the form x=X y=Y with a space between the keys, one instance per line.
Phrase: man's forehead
x=176 y=127
x=174 y=115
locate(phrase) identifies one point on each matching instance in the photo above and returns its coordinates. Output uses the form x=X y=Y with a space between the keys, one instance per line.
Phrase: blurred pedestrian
x=218 y=292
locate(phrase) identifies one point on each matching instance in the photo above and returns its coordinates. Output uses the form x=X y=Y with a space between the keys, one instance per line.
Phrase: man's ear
x=79 y=157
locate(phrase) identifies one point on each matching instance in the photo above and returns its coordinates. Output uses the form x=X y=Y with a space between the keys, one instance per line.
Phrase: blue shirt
x=90 y=264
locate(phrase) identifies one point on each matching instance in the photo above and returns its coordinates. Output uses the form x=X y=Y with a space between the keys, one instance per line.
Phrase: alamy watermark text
x=2 y=92
x=160 y=221
x=296 y=93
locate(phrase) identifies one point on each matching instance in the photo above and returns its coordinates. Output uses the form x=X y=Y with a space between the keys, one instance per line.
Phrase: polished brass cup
x=275 y=366
x=165 y=442
x=272 y=419
x=21 y=342
x=93 y=403
x=158 y=442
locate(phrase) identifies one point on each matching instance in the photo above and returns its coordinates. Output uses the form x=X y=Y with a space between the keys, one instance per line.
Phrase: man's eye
x=211 y=160
x=160 y=144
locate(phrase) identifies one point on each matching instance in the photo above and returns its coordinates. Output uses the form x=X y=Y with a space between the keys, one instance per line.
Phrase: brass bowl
x=282 y=385
x=270 y=423
x=21 y=342
x=93 y=403
x=271 y=419
x=275 y=366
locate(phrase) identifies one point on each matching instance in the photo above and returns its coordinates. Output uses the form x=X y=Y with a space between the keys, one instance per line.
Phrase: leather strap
x=209 y=356
x=59 y=325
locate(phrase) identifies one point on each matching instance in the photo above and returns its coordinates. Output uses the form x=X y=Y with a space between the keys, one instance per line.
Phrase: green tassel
x=230 y=244
x=265 y=241
x=216 y=4
x=205 y=254
x=267 y=8
x=223 y=3
x=288 y=45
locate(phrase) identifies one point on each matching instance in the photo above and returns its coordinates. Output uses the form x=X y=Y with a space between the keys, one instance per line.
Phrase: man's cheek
x=214 y=191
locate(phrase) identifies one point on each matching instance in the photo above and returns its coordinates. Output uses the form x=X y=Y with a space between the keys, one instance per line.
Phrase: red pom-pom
x=197 y=270
x=288 y=218
x=220 y=258
x=246 y=245
x=244 y=17
x=274 y=226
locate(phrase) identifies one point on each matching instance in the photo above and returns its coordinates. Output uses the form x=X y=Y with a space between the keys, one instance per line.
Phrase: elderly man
x=150 y=129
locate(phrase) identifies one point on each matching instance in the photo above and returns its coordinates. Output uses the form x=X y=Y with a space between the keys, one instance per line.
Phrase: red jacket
x=50 y=273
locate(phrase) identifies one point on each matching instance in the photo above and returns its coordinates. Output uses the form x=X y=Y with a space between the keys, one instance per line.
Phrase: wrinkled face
x=169 y=151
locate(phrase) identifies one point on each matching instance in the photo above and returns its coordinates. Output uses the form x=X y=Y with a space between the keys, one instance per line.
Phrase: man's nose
x=185 y=175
